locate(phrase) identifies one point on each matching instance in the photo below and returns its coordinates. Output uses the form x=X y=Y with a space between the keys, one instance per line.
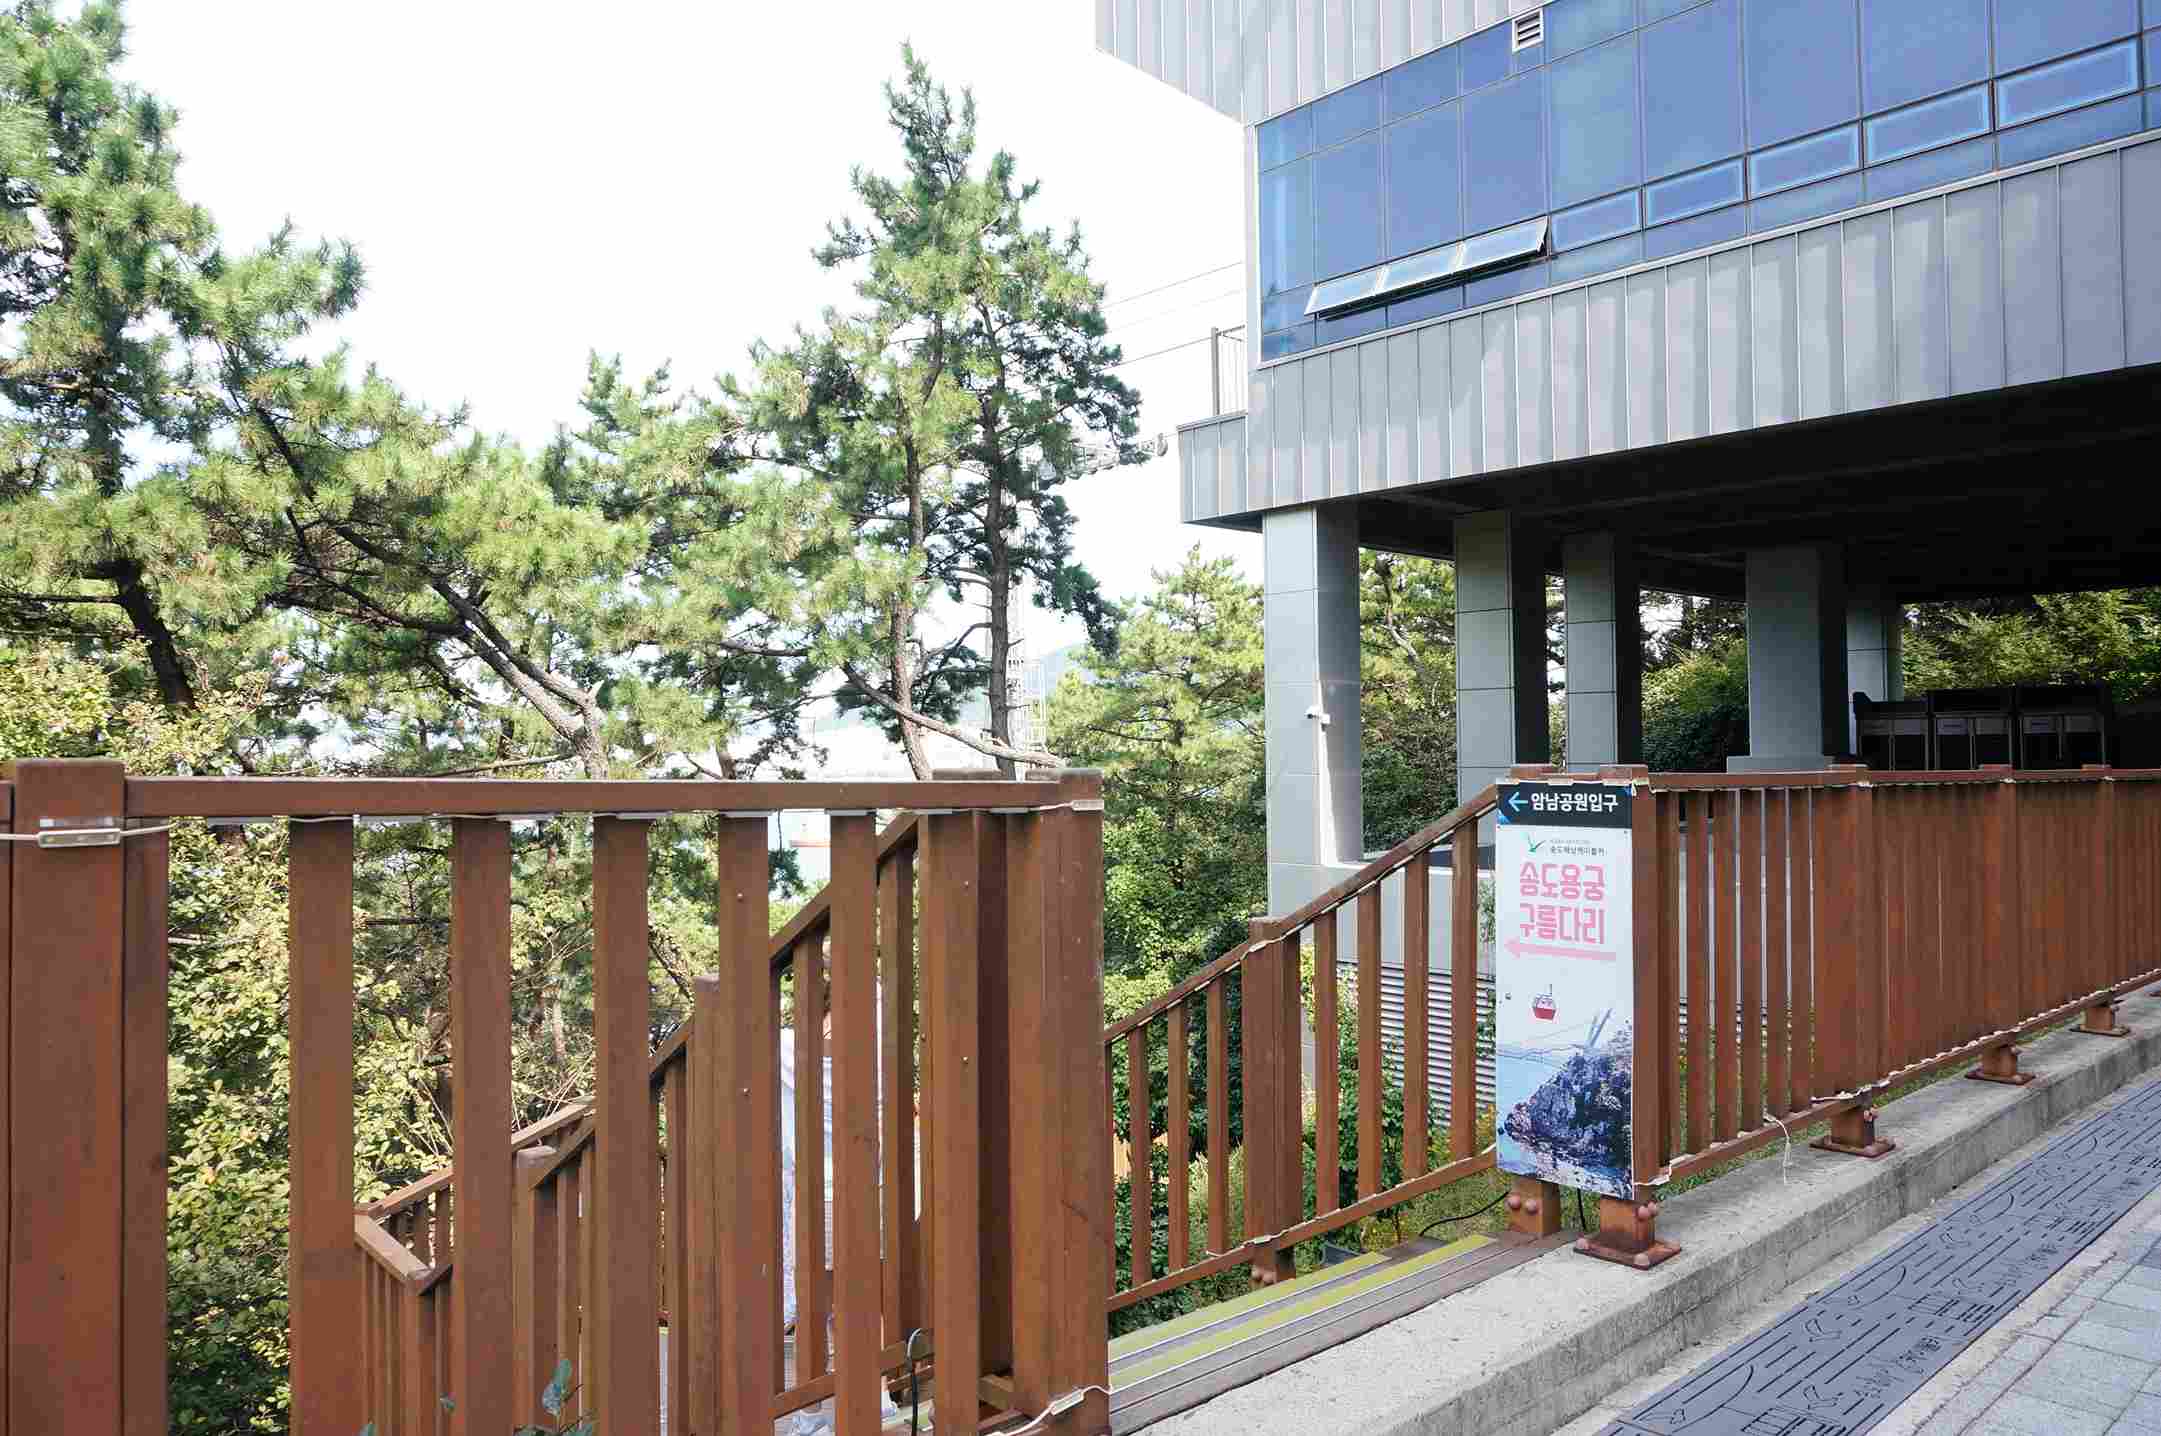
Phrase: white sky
x=528 y=182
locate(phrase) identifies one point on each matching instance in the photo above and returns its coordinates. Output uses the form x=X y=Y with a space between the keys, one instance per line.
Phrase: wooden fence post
x=1266 y=1038
x=1081 y=1238
x=1857 y=998
x=2106 y=967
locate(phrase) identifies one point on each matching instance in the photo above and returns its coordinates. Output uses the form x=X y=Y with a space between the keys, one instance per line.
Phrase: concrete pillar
x=1500 y=650
x=1797 y=696
x=1315 y=806
x=1874 y=648
x=1603 y=606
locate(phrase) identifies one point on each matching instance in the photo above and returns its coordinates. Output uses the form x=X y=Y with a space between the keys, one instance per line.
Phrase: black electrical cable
x=1462 y=1217
x=1581 y=1220
x=915 y=1392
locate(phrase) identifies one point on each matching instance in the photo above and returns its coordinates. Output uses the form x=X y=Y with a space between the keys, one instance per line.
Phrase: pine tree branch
x=988 y=747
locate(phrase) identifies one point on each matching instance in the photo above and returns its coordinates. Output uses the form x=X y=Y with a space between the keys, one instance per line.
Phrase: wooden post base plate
x=2008 y=1079
x=1871 y=1149
x=2000 y=1064
x=1642 y=1260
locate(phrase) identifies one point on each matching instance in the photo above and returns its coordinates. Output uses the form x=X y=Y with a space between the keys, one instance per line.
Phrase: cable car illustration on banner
x=1542 y=1006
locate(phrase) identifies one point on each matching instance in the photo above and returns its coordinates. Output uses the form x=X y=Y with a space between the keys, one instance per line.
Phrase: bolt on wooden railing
x=570 y=1239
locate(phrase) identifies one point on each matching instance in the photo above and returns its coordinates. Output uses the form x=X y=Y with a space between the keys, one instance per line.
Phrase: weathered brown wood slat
x=1179 y=1052
x=1140 y=1185
x=1370 y=1080
x=7 y=1022
x=1778 y=1088
x=324 y=1284
x=1075 y=857
x=1327 y=1074
x=422 y=1408
x=1725 y=948
x=480 y=1074
x=1033 y=1026
x=1219 y=1121
x=746 y=1130
x=626 y=1202
x=902 y=1288
x=1667 y=814
x=994 y=1092
x=1417 y=974
x=952 y=958
x=1463 y=996
x=535 y=1284
x=705 y=1205
x=571 y=1215
x=853 y=972
x=1749 y=876
x=1701 y=1007
x=1896 y=876
x=675 y=1111
x=1801 y=940
x=144 y=1045
x=809 y=1195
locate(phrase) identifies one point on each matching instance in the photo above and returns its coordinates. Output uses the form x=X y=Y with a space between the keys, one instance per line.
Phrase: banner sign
x=1564 y=983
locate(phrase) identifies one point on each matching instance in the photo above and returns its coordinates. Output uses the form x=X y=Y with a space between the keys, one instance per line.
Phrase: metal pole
x=1215 y=371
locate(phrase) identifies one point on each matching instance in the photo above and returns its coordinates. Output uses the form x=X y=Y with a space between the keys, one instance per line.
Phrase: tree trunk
x=1000 y=575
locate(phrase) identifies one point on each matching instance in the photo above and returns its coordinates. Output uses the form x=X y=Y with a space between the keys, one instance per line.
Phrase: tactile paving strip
x=1845 y=1359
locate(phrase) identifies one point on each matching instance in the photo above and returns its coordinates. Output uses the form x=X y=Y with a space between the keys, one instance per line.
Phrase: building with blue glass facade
x=1830 y=305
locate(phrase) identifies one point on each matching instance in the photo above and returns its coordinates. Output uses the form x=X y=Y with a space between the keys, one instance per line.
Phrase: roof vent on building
x=1529 y=30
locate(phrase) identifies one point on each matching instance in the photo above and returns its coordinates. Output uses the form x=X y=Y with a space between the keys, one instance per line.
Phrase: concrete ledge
x=1536 y=1346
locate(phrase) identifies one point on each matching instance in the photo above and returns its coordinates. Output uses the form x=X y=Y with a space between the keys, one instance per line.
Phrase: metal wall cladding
x=1250 y=59
x=2013 y=280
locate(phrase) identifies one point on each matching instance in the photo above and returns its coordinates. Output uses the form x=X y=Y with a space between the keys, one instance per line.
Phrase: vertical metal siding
x=1126 y=33
x=1196 y=457
x=1309 y=51
x=1227 y=78
x=1106 y=28
x=2004 y=281
x=1365 y=38
x=1175 y=37
x=1200 y=52
x=1253 y=48
x=1148 y=38
x=1335 y=44
x=1424 y=22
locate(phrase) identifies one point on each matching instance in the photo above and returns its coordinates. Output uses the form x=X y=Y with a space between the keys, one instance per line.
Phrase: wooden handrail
x=512 y=797
x=564 y=1156
x=434 y=1182
x=387 y=1251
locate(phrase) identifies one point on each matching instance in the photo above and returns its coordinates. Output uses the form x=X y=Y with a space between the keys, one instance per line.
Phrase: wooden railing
x=1266 y=968
x=660 y=1198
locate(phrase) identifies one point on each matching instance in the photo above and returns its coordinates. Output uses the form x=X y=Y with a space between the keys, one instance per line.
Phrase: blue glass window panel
x=1600 y=219
x=1692 y=90
x=2030 y=31
x=1803 y=161
x=1503 y=136
x=1286 y=342
x=2153 y=54
x=1421 y=84
x=2067 y=84
x=1485 y=57
x=1347 y=207
x=1425 y=180
x=1932 y=169
x=2069 y=132
x=1506 y=285
x=1286 y=138
x=1911 y=49
x=1355 y=325
x=1347 y=112
x=1347 y=290
x=1530 y=57
x=1598 y=259
x=1287 y=227
x=1925 y=126
x=2153 y=109
x=1281 y=311
x=1685 y=195
x=1704 y=229
x=1425 y=306
x=1433 y=265
x=2153 y=12
x=1597 y=147
x=1656 y=10
x=1516 y=242
x=1803 y=68
x=1795 y=205
x=1571 y=25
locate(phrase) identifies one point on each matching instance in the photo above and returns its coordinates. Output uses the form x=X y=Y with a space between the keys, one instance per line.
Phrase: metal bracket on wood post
x=1627 y=1234
x=2000 y=1064
x=2101 y=1021
x=1853 y=1133
x=1534 y=1207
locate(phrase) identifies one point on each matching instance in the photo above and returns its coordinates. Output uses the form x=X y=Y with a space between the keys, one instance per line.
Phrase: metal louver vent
x=1529 y=30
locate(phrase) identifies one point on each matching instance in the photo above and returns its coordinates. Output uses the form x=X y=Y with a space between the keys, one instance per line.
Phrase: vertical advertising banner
x=1564 y=988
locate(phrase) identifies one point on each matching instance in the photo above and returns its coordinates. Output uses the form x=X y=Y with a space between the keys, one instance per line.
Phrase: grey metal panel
x=1534 y=382
x=1432 y=403
x=1775 y=351
x=2093 y=279
x=1973 y=269
x=1726 y=334
x=1335 y=44
x=1644 y=344
x=1200 y=52
x=1488 y=12
x=1401 y=446
x=1497 y=384
x=1313 y=447
x=1106 y=28
x=1920 y=286
x=1174 y=32
x=1253 y=43
x=2032 y=279
x=1688 y=379
x=1308 y=41
x=1282 y=56
x=1342 y=422
x=1869 y=352
x=1365 y=38
x=1197 y=464
x=1605 y=367
x=2142 y=253
x=1819 y=333
x=1395 y=32
x=1372 y=417
x=1287 y=400
x=1425 y=22
x=1231 y=467
x=1148 y=38
x=1126 y=32
x=1228 y=97
x=1259 y=436
x=1571 y=410
x=1466 y=424
x=1455 y=20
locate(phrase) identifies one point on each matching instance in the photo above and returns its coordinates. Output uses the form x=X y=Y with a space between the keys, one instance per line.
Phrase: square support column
x=1875 y=623
x=1500 y=650
x=1316 y=810
x=1604 y=610
x=1798 y=703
